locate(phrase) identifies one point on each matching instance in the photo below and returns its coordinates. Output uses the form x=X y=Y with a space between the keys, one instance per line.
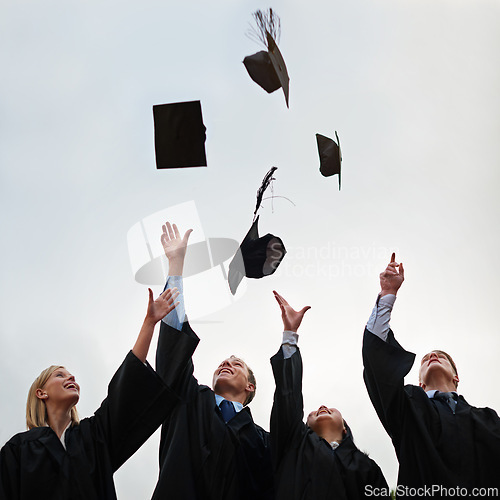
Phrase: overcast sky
x=411 y=87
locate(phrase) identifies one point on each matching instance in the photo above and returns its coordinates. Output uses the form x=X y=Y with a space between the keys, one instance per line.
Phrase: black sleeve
x=174 y=362
x=374 y=477
x=9 y=473
x=288 y=407
x=137 y=403
x=385 y=366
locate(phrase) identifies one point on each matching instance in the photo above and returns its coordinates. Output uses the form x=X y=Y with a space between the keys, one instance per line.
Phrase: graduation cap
x=179 y=135
x=257 y=256
x=267 y=68
x=330 y=155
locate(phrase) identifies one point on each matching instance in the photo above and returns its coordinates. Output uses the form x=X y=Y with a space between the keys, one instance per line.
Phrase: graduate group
x=210 y=446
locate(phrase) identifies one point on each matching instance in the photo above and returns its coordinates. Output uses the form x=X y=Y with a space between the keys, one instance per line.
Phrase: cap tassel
x=267 y=22
x=265 y=184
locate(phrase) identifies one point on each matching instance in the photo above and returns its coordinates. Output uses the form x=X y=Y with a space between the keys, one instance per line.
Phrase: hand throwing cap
x=179 y=135
x=330 y=155
x=267 y=68
x=257 y=256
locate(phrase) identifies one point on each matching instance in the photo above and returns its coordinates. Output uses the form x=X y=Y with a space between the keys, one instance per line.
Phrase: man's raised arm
x=176 y=342
x=385 y=362
x=175 y=250
x=391 y=280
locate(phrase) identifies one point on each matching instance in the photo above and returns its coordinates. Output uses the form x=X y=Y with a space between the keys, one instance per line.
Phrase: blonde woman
x=62 y=458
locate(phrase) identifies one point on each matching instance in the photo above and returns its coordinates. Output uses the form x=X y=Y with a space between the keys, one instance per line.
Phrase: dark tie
x=449 y=398
x=227 y=410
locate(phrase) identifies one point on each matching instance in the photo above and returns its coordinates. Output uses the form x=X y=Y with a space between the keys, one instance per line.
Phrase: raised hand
x=159 y=308
x=291 y=318
x=174 y=247
x=392 y=278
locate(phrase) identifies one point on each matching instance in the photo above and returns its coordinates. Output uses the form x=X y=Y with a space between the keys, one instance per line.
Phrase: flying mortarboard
x=257 y=256
x=330 y=155
x=267 y=68
x=179 y=135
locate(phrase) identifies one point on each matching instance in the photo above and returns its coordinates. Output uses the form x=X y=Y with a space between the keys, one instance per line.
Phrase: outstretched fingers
x=167 y=299
x=171 y=307
x=164 y=235
x=170 y=294
x=280 y=299
x=171 y=233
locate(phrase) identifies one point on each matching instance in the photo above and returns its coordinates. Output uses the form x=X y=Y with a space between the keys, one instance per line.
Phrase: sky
x=412 y=90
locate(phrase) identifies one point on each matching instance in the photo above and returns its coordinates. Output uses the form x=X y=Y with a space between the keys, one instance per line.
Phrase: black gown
x=202 y=457
x=35 y=465
x=433 y=445
x=306 y=466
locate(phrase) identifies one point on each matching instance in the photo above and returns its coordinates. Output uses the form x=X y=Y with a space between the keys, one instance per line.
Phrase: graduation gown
x=433 y=445
x=306 y=466
x=202 y=457
x=34 y=464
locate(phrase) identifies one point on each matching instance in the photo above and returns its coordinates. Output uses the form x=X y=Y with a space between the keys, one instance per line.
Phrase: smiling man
x=317 y=460
x=442 y=443
x=231 y=376
x=210 y=447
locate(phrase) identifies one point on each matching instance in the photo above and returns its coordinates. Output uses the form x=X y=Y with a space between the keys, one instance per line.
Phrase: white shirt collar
x=432 y=393
x=64 y=434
